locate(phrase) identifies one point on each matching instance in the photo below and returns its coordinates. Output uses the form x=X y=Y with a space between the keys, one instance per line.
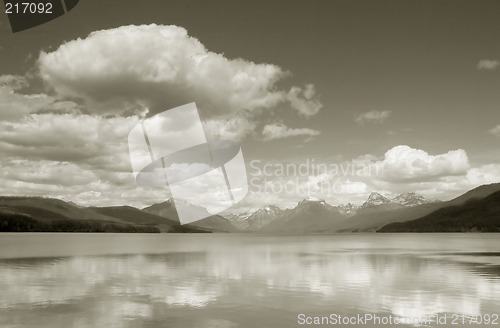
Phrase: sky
x=331 y=99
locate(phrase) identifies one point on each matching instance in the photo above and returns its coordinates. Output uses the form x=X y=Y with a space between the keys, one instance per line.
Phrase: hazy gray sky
x=406 y=89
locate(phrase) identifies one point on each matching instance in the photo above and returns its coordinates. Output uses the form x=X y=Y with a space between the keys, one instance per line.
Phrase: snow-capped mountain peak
x=314 y=199
x=262 y=216
x=348 y=209
x=410 y=199
x=270 y=209
x=375 y=199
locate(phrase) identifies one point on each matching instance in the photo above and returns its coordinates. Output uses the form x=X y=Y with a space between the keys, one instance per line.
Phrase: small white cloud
x=495 y=131
x=309 y=91
x=373 y=116
x=280 y=131
x=488 y=64
x=302 y=100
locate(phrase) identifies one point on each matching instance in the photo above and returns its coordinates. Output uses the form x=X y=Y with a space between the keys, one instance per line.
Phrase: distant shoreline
x=24 y=223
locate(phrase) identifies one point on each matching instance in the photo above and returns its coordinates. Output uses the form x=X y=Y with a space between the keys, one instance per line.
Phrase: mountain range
x=476 y=210
x=47 y=214
x=256 y=220
x=374 y=221
x=314 y=215
x=473 y=215
x=311 y=215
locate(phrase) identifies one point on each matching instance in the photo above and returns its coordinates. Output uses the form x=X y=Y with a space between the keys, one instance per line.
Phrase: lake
x=236 y=280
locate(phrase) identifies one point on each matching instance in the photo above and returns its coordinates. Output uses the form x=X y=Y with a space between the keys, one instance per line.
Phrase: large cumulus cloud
x=155 y=67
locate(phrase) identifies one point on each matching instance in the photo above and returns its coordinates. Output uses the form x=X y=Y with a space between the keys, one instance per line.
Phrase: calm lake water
x=221 y=280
